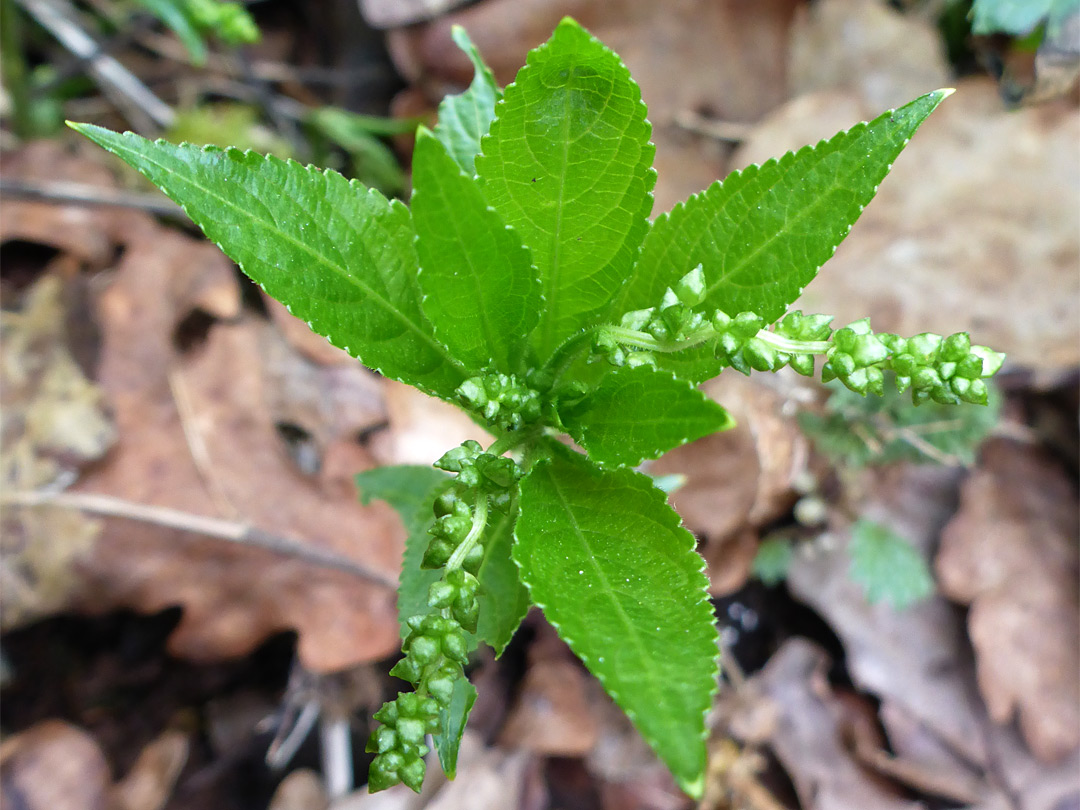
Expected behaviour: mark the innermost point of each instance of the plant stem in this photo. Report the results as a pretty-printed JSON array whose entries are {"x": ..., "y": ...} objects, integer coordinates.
[
  {"x": 13, "y": 65},
  {"x": 793, "y": 346},
  {"x": 479, "y": 521}
]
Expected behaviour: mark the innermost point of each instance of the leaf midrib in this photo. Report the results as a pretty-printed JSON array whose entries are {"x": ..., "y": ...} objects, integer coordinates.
[
  {"x": 642, "y": 656},
  {"x": 321, "y": 259}
]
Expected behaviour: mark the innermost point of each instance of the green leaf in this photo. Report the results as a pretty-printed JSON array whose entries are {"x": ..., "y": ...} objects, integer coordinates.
[
  {"x": 411, "y": 490},
  {"x": 616, "y": 574},
  {"x": 888, "y": 566},
  {"x": 452, "y": 726},
  {"x": 339, "y": 256},
  {"x": 503, "y": 598},
  {"x": 466, "y": 117},
  {"x": 480, "y": 290},
  {"x": 639, "y": 413},
  {"x": 773, "y": 559},
  {"x": 855, "y": 430},
  {"x": 175, "y": 15},
  {"x": 567, "y": 165},
  {"x": 762, "y": 234}
]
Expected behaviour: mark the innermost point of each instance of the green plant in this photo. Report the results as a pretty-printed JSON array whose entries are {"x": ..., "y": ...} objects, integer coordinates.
[{"x": 526, "y": 284}]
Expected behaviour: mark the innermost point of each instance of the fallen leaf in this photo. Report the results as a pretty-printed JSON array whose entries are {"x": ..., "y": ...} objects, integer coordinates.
[
  {"x": 885, "y": 56},
  {"x": 392, "y": 13},
  {"x": 54, "y": 422},
  {"x": 809, "y": 736},
  {"x": 552, "y": 715},
  {"x": 974, "y": 229},
  {"x": 233, "y": 597},
  {"x": 150, "y": 781},
  {"x": 53, "y": 766},
  {"x": 722, "y": 59},
  {"x": 300, "y": 790},
  {"x": 421, "y": 428},
  {"x": 1011, "y": 554}
]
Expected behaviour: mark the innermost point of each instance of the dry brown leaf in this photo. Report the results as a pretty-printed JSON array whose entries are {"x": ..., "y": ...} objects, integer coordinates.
[
  {"x": 913, "y": 657},
  {"x": 53, "y": 766},
  {"x": 300, "y": 790},
  {"x": 809, "y": 736},
  {"x": 392, "y": 13},
  {"x": 89, "y": 233},
  {"x": 52, "y": 422},
  {"x": 233, "y": 597},
  {"x": 150, "y": 781},
  {"x": 552, "y": 715},
  {"x": 422, "y": 428},
  {"x": 723, "y": 59},
  {"x": 974, "y": 229},
  {"x": 1011, "y": 553},
  {"x": 886, "y": 57}
]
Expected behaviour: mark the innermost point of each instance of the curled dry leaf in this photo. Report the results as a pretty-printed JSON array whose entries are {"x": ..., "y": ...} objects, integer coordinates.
[
  {"x": 810, "y": 731},
  {"x": 52, "y": 422},
  {"x": 552, "y": 715},
  {"x": 1011, "y": 554},
  {"x": 221, "y": 458},
  {"x": 53, "y": 766},
  {"x": 718, "y": 59},
  {"x": 978, "y": 213}
]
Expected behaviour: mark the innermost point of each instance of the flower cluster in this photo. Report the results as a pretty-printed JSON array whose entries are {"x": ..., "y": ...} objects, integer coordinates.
[
  {"x": 502, "y": 399},
  {"x": 437, "y": 644},
  {"x": 946, "y": 370}
]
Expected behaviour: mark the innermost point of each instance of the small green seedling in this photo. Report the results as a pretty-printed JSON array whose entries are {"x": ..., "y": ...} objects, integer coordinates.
[{"x": 526, "y": 284}]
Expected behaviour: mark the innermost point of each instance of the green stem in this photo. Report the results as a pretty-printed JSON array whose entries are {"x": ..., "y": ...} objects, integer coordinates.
[
  {"x": 793, "y": 346},
  {"x": 13, "y": 65},
  {"x": 513, "y": 440},
  {"x": 479, "y": 521},
  {"x": 568, "y": 352}
]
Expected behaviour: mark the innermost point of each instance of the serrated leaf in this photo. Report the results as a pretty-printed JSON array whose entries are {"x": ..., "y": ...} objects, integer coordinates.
[
  {"x": 480, "y": 290},
  {"x": 888, "y": 566},
  {"x": 340, "y": 256},
  {"x": 616, "y": 574},
  {"x": 411, "y": 490},
  {"x": 503, "y": 598},
  {"x": 466, "y": 117},
  {"x": 567, "y": 165},
  {"x": 762, "y": 234},
  {"x": 452, "y": 722},
  {"x": 175, "y": 15},
  {"x": 640, "y": 413}
]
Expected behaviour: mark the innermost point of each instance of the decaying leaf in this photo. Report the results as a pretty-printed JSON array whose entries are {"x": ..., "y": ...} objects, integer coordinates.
[
  {"x": 809, "y": 735},
  {"x": 53, "y": 766},
  {"x": 1011, "y": 553},
  {"x": 52, "y": 422}
]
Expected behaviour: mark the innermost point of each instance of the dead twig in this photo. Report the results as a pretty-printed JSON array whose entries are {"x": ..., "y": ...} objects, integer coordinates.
[
  {"x": 62, "y": 192},
  {"x": 231, "y": 531},
  {"x": 145, "y": 110}
]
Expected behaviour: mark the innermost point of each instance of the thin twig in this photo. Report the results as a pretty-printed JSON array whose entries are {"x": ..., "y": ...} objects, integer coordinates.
[
  {"x": 140, "y": 105},
  {"x": 231, "y": 531},
  {"x": 64, "y": 192},
  {"x": 728, "y": 131}
]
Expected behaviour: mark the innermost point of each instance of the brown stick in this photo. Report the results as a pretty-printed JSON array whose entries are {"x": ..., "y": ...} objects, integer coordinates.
[{"x": 231, "y": 531}]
